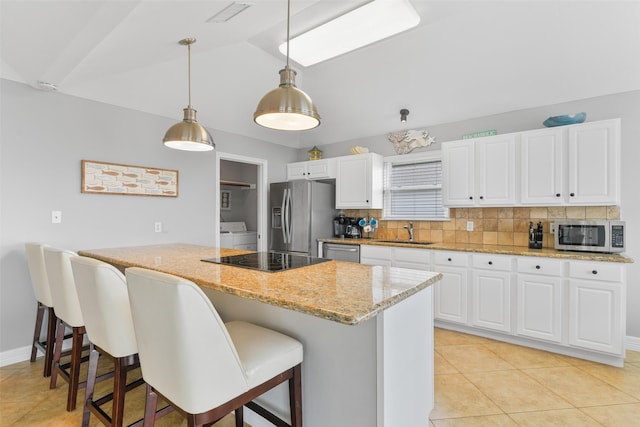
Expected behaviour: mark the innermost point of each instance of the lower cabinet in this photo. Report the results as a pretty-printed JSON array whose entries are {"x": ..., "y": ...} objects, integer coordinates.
[
  {"x": 491, "y": 292},
  {"x": 419, "y": 259},
  {"x": 451, "y": 292}
]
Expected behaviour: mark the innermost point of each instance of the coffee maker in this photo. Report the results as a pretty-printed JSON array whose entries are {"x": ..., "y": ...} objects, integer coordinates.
[{"x": 346, "y": 227}]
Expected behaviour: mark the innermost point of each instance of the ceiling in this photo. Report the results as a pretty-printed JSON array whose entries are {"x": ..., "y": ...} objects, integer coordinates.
[{"x": 465, "y": 59}]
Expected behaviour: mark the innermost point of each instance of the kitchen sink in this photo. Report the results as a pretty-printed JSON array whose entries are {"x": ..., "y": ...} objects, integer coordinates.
[{"x": 405, "y": 242}]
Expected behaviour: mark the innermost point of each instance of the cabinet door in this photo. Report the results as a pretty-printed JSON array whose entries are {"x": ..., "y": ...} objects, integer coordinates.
[
  {"x": 450, "y": 295},
  {"x": 321, "y": 169},
  {"x": 359, "y": 182},
  {"x": 596, "y": 315},
  {"x": 296, "y": 171},
  {"x": 594, "y": 163},
  {"x": 458, "y": 173},
  {"x": 541, "y": 167},
  {"x": 376, "y": 255},
  {"x": 491, "y": 296},
  {"x": 495, "y": 170},
  {"x": 539, "y": 307},
  {"x": 418, "y": 259}
]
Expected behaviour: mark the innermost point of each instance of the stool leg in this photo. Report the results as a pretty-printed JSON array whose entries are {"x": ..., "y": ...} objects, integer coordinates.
[
  {"x": 240, "y": 417},
  {"x": 36, "y": 331},
  {"x": 119, "y": 389},
  {"x": 57, "y": 352},
  {"x": 51, "y": 337},
  {"x": 94, "y": 357},
  {"x": 295, "y": 397},
  {"x": 151, "y": 402},
  {"x": 74, "y": 368}
]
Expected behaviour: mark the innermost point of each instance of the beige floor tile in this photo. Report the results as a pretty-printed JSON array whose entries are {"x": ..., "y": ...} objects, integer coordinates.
[
  {"x": 485, "y": 421},
  {"x": 632, "y": 356},
  {"x": 523, "y": 357},
  {"x": 555, "y": 418},
  {"x": 456, "y": 397},
  {"x": 615, "y": 415},
  {"x": 446, "y": 337},
  {"x": 626, "y": 379},
  {"x": 579, "y": 387},
  {"x": 514, "y": 391},
  {"x": 473, "y": 358},
  {"x": 441, "y": 366}
]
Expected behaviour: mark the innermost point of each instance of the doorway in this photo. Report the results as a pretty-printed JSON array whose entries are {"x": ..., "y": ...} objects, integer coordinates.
[{"x": 247, "y": 178}]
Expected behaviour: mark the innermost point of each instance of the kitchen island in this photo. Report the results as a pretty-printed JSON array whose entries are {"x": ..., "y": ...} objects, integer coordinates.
[{"x": 367, "y": 331}]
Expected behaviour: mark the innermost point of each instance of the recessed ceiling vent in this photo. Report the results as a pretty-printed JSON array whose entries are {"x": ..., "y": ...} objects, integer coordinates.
[{"x": 229, "y": 12}]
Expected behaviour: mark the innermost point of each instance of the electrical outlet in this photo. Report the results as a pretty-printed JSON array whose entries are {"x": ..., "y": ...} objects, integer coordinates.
[
  {"x": 158, "y": 227},
  {"x": 469, "y": 225},
  {"x": 56, "y": 217}
]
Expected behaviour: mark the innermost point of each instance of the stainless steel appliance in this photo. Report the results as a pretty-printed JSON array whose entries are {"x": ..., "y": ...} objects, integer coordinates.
[
  {"x": 589, "y": 236},
  {"x": 267, "y": 261},
  {"x": 301, "y": 213},
  {"x": 346, "y": 227},
  {"x": 341, "y": 252}
]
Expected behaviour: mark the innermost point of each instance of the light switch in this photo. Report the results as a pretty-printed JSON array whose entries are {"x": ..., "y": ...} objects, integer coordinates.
[
  {"x": 158, "y": 227},
  {"x": 56, "y": 217}
]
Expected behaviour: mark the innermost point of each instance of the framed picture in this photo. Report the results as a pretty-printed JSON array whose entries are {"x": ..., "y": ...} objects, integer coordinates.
[
  {"x": 114, "y": 178},
  {"x": 225, "y": 200}
]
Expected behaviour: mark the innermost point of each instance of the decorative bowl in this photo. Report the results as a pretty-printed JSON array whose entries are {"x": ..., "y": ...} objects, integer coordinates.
[{"x": 567, "y": 119}]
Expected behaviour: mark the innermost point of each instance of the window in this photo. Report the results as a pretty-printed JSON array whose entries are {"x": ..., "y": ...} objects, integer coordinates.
[{"x": 413, "y": 188}]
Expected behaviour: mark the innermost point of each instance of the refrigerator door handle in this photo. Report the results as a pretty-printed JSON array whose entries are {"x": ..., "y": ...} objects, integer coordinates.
[
  {"x": 284, "y": 216},
  {"x": 288, "y": 217}
]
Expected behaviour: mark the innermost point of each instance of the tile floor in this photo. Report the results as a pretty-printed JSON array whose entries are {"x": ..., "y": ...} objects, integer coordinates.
[{"x": 478, "y": 382}]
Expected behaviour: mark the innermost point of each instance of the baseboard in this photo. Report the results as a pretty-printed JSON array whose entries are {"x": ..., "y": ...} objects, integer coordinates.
[
  {"x": 16, "y": 355},
  {"x": 632, "y": 343}
]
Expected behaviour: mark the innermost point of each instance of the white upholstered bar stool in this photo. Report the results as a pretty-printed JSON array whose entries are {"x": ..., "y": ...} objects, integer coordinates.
[
  {"x": 203, "y": 367},
  {"x": 40, "y": 283},
  {"x": 104, "y": 301},
  {"x": 65, "y": 301}
]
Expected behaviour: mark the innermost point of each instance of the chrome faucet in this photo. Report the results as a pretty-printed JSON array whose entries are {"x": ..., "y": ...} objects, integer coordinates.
[{"x": 409, "y": 228}]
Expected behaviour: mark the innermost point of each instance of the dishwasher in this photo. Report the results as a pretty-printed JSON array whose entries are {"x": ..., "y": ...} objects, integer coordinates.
[{"x": 341, "y": 252}]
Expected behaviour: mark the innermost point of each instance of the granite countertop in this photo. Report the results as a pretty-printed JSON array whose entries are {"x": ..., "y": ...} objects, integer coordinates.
[
  {"x": 343, "y": 292},
  {"x": 491, "y": 249}
]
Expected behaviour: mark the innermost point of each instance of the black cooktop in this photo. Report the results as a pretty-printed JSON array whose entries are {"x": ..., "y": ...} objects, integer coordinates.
[{"x": 267, "y": 261}]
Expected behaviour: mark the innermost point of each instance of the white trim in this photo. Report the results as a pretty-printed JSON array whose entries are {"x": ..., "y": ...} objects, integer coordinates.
[
  {"x": 16, "y": 355},
  {"x": 414, "y": 157},
  {"x": 261, "y": 186},
  {"x": 632, "y": 343}
]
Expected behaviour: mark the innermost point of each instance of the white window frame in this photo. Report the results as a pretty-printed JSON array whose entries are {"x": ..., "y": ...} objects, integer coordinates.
[{"x": 389, "y": 161}]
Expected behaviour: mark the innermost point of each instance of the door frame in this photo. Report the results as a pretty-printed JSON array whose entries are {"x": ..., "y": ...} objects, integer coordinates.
[{"x": 261, "y": 188}]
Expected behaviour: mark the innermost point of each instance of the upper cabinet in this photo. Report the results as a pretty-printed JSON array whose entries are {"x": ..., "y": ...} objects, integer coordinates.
[
  {"x": 568, "y": 165},
  {"x": 480, "y": 172},
  {"x": 359, "y": 181},
  {"x": 312, "y": 169}
]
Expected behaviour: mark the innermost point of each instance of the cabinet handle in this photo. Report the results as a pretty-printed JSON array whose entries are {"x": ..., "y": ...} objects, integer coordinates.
[
  {"x": 537, "y": 267},
  {"x": 490, "y": 262},
  {"x": 481, "y": 197},
  {"x": 367, "y": 201},
  {"x": 572, "y": 194},
  {"x": 470, "y": 197},
  {"x": 449, "y": 259},
  {"x": 557, "y": 194},
  {"x": 594, "y": 272}
]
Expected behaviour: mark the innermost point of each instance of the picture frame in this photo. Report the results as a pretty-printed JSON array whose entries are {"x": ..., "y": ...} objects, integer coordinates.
[
  {"x": 225, "y": 200},
  {"x": 129, "y": 180}
]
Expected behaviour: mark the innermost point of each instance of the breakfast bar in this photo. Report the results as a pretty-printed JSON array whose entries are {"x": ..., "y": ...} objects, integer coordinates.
[{"x": 367, "y": 331}]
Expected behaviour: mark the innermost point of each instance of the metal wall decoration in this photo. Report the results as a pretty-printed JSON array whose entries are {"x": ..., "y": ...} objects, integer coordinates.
[
  {"x": 406, "y": 141},
  {"x": 114, "y": 178}
]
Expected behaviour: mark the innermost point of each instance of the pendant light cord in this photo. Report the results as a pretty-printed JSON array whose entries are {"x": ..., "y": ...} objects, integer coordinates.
[
  {"x": 189, "y": 69},
  {"x": 288, "y": 24}
]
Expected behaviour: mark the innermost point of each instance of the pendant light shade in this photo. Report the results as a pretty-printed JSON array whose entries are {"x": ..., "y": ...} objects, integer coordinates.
[
  {"x": 188, "y": 135},
  {"x": 287, "y": 107}
]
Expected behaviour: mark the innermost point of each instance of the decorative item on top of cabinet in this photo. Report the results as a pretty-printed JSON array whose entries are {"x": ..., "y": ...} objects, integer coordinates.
[
  {"x": 408, "y": 140},
  {"x": 359, "y": 181},
  {"x": 315, "y": 153}
]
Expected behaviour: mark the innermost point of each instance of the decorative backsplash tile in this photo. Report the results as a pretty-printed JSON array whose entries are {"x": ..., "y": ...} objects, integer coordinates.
[{"x": 491, "y": 226}]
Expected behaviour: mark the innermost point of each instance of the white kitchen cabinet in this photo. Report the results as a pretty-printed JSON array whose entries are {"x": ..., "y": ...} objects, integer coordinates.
[
  {"x": 491, "y": 292},
  {"x": 539, "y": 292},
  {"x": 418, "y": 259},
  {"x": 359, "y": 181},
  {"x": 597, "y": 306},
  {"x": 376, "y": 255},
  {"x": 312, "y": 169},
  {"x": 594, "y": 163},
  {"x": 451, "y": 293},
  {"x": 480, "y": 172},
  {"x": 542, "y": 159}
]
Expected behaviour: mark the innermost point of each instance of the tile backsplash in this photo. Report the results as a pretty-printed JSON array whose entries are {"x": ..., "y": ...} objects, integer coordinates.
[{"x": 491, "y": 226}]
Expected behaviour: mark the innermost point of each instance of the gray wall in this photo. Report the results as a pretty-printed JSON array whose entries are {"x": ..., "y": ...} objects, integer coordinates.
[
  {"x": 625, "y": 106},
  {"x": 43, "y": 138}
]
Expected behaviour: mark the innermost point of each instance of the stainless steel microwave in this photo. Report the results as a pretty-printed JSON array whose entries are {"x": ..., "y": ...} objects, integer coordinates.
[{"x": 589, "y": 236}]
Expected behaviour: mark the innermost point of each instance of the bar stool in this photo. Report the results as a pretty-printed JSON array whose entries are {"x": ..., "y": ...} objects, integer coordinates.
[
  {"x": 65, "y": 300},
  {"x": 38, "y": 273},
  {"x": 104, "y": 302},
  {"x": 201, "y": 366}
]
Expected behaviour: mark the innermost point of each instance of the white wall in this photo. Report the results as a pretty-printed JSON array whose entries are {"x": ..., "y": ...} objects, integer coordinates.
[
  {"x": 625, "y": 106},
  {"x": 43, "y": 138}
]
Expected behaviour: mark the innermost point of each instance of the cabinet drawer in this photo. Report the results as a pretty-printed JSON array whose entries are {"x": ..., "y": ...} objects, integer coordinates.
[
  {"x": 459, "y": 259},
  {"x": 547, "y": 267},
  {"x": 408, "y": 255},
  {"x": 492, "y": 262},
  {"x": 596, "y": 271},
  {"x": 370, "y": 251}
]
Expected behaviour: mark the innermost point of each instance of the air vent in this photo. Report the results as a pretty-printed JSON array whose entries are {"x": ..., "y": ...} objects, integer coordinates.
[{"x": 228, "y": 12}]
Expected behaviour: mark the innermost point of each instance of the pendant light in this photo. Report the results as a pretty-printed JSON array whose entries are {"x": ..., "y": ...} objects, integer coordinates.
[
  {"x": 287, "y": 107},
  {"x": 188, "y": 135}
]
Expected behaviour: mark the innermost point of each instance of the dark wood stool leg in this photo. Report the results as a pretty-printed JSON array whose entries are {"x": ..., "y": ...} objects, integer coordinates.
[
  {"x": 295, "y": 397},
  {"x": 240, "y": 417},
  {"x": 151, "y": 403},
  {"x": 74, "y": 369},
  {"x": 37, "y": 331},
  {"x": 119, "y": 389},
  {"x": 94, "y": 357},
  {"x": 58, "y": 351},
  {"x": 50, "y": 343}
]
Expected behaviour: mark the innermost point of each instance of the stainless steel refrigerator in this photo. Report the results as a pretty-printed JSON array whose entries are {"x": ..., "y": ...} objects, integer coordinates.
[{"x": 301, "y": 212}]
